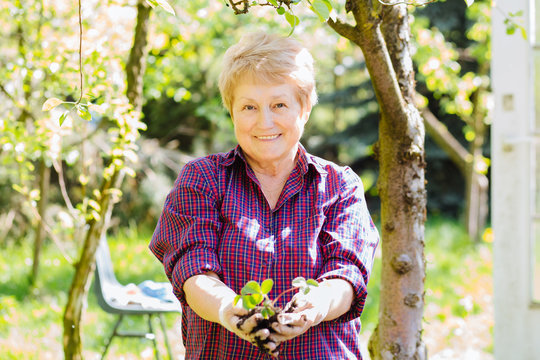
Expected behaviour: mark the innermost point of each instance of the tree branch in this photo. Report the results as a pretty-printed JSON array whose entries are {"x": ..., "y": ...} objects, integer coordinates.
[
  {"x": 446, "y": 141},
  {"x": 408, "y": 3},
  {"x": 80, "y": 52},
  {"x": 346, "y": 30}
]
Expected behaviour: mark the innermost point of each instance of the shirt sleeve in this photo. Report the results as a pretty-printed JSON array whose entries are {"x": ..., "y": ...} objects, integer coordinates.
[
  {"x": 187, "y": 232},
  {"x": 349, "y": 239}
]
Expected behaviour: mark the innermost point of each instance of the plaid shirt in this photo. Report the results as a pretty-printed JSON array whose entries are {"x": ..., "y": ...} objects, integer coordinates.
[{"x": 216, "y": 218}]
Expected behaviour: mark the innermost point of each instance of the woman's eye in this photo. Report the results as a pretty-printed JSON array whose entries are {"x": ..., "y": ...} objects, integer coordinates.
[
  {"x": 249, "y": 107},
  {"x": 280, "y": 105}
]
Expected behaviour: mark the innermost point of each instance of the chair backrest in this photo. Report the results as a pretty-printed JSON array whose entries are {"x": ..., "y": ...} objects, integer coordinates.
[
  {"x": 105, "y": 280},
  {"x": 109, "y": 290},
  {"x": 104, "y": 266}
]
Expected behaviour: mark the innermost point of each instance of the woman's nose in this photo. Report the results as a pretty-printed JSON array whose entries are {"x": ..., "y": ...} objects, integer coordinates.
[{"x": 266, "y": 118}]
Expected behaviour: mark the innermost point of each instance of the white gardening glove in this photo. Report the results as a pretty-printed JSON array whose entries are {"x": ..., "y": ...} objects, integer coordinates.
[
  {"x": 233, "y": 318},
  {"x": 308, "y": 310}
]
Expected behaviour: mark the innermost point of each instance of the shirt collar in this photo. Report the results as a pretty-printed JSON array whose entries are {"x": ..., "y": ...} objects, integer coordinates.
[{"x": 303, "y": 162}]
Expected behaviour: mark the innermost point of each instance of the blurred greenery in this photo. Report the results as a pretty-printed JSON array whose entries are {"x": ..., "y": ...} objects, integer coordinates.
[{"x": 30, "y": 318}]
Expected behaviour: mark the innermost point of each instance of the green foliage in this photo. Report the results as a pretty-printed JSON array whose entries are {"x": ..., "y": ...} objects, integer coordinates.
[
  {"x": 164, "y": 4},
  {"x": 511, "y": 22}
]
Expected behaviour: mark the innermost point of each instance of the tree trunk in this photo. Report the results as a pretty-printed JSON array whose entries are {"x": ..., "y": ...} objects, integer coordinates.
[
  {"x": 44, "y": 183},
  {"x": 136, "y": 63},
  {"x": 85, "y": 267},
  {"x": 477, "y": 184},
  {"x": 401, "y": 178}
]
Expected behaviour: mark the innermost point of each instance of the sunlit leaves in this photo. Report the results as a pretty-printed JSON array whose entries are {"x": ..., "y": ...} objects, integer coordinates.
[
  {"x": 51, "y": 104},
  {"x": 512, "y": 24},
  {"x": 82, "y": 111},
  {"x": 304, "y": 285},
  {"x": 322, "y": 8},
  {"x": 63, "y": 117},
  {"x": 292, "y": 19},
  {"x": 162, "y": 3}
]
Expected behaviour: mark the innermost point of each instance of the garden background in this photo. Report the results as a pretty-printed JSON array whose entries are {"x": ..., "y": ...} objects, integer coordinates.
[{"x": 53, "y": 162}]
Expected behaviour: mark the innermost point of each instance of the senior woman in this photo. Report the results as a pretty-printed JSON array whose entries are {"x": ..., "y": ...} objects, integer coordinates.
[{"x": 267, "y": 209}]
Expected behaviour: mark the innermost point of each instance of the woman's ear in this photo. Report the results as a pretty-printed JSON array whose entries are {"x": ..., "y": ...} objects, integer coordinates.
[{"x": 307, "y": 112}]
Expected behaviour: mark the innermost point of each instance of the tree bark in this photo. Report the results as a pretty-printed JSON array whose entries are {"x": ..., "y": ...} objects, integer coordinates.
[
  {"x": 84, "y": 269},
  {"x": 136, "y": 63},
  {"x": 401, "y": 178}
]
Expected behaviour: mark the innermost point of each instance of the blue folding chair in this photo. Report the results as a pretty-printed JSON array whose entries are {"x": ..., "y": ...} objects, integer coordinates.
[{"x": 107, "y": 288}]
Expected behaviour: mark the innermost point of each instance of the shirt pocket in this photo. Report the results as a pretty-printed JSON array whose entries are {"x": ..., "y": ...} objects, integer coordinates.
[
  {"x": 301, "y": 252},
  {"x": 245, "y": 246}
]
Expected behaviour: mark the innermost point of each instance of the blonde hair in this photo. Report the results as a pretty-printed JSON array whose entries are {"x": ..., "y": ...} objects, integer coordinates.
[{"x": 268, "y": 58}]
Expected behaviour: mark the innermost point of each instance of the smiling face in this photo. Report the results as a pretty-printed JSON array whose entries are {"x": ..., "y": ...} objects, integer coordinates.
[{"x": 268, "y": 122}]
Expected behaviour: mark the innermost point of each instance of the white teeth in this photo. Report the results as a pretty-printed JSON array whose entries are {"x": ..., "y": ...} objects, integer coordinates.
[{"x": 270, "y": 137}]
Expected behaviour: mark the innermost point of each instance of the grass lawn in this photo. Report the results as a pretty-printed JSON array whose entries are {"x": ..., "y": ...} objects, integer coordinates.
[{"x": 458, "y": 318}]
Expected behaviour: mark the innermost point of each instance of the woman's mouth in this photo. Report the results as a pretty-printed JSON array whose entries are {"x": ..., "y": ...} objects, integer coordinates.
[{"x": 267, "y": 137}]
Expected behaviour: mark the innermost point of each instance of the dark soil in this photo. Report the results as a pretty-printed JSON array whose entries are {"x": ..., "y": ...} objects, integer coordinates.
[{"x": 265, "y": 324}]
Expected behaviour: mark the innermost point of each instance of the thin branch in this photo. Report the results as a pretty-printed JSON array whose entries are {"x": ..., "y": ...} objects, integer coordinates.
[
  {"x": 408, "y": 3},
  {"x": 80, "y": 52},
  {"x": 63, "y": 188},
  {"x": 53, "y": 236}
]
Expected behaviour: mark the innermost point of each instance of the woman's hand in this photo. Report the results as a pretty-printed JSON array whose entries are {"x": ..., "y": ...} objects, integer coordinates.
[
  {"x": 331, "y": 299},
  {"x": 309, "y": 310},
  {"x": 235, "y": 319}
]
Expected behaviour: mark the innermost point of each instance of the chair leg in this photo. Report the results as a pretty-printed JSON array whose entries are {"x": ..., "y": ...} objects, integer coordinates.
[
  {"x": 165, "y": 337},
  {"x": 114, "y": 333},
  {"x": 154, "y": 340}
]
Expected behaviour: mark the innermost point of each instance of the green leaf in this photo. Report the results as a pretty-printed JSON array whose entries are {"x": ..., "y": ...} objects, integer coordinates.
[
  {"x": 251, "y": 287},
  {"x": 270, "y": 311},
  {"x": 236, "y": 299},
  {"x": 280, "y": 10},
  {"x": 248, "y": 302},
  {"x": 523, "y": 32},
  {"x": 18, "y": 188},
  {"x": 152, "y": 3},
  {"x": 83, "y": 112},
  {"x": 51, "y": 104},
  {"x": 312, "y": 282},
  {"x": 95, "y": 215},
  {"x": 257, "y": 298},
  {"x": 63, "y": 117},
  {"x": 264, "y": 313},
  {"x": 306, "y": 290},
  {"x": 322, "y": 9},
  {"x": 299, "y": 282},
  {"x": 273, "y": 2},
  {"x": 293, "y": 20},
  {"x": 266, "y": 286},
  {"x": 94, "y": 205},
  {"x": 165, "y": 5}
]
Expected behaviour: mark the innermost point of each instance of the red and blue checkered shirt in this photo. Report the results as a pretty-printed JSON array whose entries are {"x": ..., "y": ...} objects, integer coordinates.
[{"x": 217, "y": 219}]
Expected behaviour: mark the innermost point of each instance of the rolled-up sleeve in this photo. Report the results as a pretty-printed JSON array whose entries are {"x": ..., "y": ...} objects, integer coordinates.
[
  {"x": 348, "y": 241},
  {"x": 187, "y": 232}
]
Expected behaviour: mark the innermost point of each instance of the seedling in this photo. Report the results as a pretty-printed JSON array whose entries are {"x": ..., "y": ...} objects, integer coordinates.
[{"x": 254, "y": 294}]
